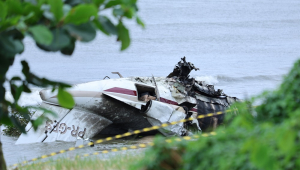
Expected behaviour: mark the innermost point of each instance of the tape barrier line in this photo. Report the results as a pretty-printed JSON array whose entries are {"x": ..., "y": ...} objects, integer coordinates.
[
  {"x": 122, "y": 135},
  {"x": 144, "y": 145}
]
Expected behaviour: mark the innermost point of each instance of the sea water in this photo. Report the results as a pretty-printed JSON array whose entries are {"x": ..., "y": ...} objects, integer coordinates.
[{"x": 242, "y": 47}]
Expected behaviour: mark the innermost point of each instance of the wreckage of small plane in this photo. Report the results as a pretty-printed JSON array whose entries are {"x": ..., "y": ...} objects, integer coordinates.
[{"x": 116, "y": 106}]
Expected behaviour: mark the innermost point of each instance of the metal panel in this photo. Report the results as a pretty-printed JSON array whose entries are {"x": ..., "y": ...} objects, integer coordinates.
[
  {"x": 160, "y": 113},
  {"x": 78, "y": 123},
  {"x": 39, "y": 135},
  {"x": 125, "y": 99}
]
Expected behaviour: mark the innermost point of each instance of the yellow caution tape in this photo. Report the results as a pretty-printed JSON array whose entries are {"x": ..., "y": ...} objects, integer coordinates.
[{"x": 124, "y": 135}]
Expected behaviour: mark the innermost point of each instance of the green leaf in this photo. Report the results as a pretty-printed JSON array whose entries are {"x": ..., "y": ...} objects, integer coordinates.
[
  {"x": 35, "y": 80},
  {"x": 14, "y": 7},
  {"x": 129, "y": 2},
  {"x": 98, "y": 2},
  {"x": 83, "y": 32},
  {"x": 26, "y": 89},
  {"x": 8, "y": 22},
  {"x": 129, "y": 13},
  {"x": 286, "y": 141},
  {"x": 73, "y": 2},
  {"x": 16, "y": 79},
  {"x": 37, "y": 122},
  {"x": 63, "y": 85},
  {"x": 21, "y": 25},
  {"x": 35, "y": 10},
  {"x": 68, "y": 50},
  {"x": 65, "y": 99},
  {"x": 10, "y": 46},
  {"x": 3, "y": 11},
  {"x": 33, "y": 2},
  {"x": 16, "y": 34},
  {"x": 100, "y": 27},
  {"x": 4, "y": 118},
  {"x": 17, "y": 124},
  {"x": 106, "y": 26},
  {"x": 23, "y": 111},
  {"x": 46, "y": 12},
  {"x": 81, "y": 14},
  {"x": 41, "y": 2},
  {"x": 27, "y": 15},
  {"x": 118, "y": 12},
  {"x": 16, "y": 91},
  {"x": 42, "y": 82},
  {"x": 112, "y": 3},
  {"x": 2, "y": 94},
  {"x": 140, "y": 22},
  {"x": 41, "y": 34},
  {"x": 123, "y": 36},
  {"x": 56, "y": 7},
  {"x": 25, "y": 68},
  {"x": 260, "y": 155},
  {"x": 5, "y": 62},
  {"x": 60, "y": 40}
]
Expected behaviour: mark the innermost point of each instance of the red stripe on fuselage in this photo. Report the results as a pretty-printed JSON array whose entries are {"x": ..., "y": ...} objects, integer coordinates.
[
  {"x": 133, "y": 93},
  {"x": 122, "y": 91},
  {"x": 168, "y": 101},
  {"x": 194, "y": 110},
  {"x": 174, "y": 103}
]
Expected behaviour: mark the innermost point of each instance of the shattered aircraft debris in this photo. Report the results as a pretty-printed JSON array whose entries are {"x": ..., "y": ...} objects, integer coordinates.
[{"x": 116, "y": 106}]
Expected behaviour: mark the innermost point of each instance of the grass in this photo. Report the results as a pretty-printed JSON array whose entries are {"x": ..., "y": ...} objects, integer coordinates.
[{"x": 119, "y": 162}]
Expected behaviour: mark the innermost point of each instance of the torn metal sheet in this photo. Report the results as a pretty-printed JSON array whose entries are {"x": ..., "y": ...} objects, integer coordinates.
[
  {"x": 153, "y": 112},
  {"x": 124, "y": 98}
]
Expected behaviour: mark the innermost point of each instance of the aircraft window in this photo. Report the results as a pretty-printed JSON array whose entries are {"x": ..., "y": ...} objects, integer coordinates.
[{"x": 145, "y": 93}]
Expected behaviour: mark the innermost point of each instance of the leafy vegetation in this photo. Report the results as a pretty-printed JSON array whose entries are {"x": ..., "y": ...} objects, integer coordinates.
[
  {"x": 265, "y": 137},
  {"x": 55, "y": 25}
]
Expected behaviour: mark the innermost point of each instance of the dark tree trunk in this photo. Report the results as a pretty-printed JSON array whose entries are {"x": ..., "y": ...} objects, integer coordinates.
[{"x": 2, "y": 160}]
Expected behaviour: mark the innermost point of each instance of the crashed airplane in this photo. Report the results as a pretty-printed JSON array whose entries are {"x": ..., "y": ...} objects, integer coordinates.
[{"x": 116, "y": 106}]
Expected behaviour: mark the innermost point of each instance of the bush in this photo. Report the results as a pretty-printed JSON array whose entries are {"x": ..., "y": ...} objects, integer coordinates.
[{"x": 263, "y": 137}]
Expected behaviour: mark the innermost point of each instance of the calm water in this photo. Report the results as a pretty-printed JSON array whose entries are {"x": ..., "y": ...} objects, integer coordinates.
[{"x": 243, "y": 47}]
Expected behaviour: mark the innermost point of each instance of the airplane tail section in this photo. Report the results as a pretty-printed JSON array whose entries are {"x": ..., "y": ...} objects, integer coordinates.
[{"x": 68, "y": 125}]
